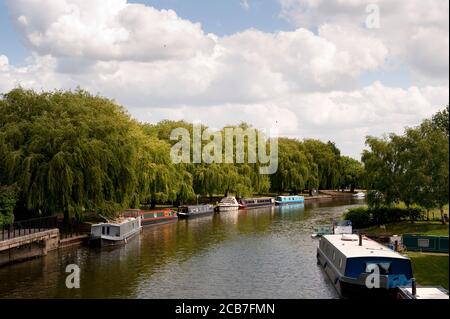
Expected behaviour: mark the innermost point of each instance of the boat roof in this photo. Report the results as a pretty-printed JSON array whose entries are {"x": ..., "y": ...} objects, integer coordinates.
[
  {"x": 199, "y": 205},
  {"x": 117, "y": 222},
  {"x": 290, "y": 196},
  {"x": 348, "y": 244}
]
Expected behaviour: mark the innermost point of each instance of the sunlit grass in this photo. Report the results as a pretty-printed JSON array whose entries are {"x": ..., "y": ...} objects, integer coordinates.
[{"x": 430, "y": 269}]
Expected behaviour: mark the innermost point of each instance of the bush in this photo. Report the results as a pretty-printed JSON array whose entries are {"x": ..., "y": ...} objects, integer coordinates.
[
  {"x": 359, "y": 216},
  {"x": 8, "y": 200},
  {"x": 363, "y": 217}
]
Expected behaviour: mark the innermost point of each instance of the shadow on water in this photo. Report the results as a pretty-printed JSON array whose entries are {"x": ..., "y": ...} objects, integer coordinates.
[{"x": 259, "y": 253}]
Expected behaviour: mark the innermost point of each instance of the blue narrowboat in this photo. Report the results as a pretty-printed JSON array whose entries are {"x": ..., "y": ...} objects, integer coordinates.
[
  {"x": 288, "y": 200},
  {"x": 358, "y": 266}
]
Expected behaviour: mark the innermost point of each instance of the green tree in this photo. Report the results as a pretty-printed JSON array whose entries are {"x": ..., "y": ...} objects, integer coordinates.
[{"x": 351, "y": 172}]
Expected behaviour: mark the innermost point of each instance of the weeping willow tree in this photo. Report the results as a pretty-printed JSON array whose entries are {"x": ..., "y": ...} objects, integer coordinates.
[
  {"x": 296, "y": 170},
  {"x": 69, "y": 152},
  {"x": 327, "y": 158}
]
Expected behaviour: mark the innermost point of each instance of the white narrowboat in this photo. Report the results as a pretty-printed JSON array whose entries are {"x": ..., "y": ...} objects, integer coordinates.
[
  {"x": 358, "y": 266},
  {"x": 115, "y": 233}
]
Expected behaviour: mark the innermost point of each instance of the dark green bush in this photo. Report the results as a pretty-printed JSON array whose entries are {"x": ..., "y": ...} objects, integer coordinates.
[
  {"x": 8, "y": 200},
  {"x": 363, "y": 217},
  {"x": 360, "y": 217}
]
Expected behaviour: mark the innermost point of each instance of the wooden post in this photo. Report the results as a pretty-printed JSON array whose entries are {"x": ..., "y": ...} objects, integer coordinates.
[
  {"x": 414, "y": 288},
  {"x": 360, "y": 239}
]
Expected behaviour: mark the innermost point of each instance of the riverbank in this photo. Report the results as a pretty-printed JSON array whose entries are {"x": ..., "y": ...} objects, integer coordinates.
[
  {"x": 430, "y": 269},
  {"x": 430, "y": 228}
]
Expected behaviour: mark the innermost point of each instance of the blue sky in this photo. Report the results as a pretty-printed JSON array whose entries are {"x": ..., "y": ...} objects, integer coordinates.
[
  {"x": 10, "y": 42},
  {"x": 226, "y": 17}
]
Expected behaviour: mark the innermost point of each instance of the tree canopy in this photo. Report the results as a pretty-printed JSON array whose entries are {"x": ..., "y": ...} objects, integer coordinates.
[
  {"x": 70, "y": 152},
  {"x": 412, "y": 168}
]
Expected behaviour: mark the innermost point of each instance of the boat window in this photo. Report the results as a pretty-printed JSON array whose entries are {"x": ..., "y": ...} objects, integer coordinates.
[
  {"x": 103, "y": 230},
  {"x": 334, "y": 255},
  {"x": 107, "y": 230},
  {"x": 340, "y": 262}
]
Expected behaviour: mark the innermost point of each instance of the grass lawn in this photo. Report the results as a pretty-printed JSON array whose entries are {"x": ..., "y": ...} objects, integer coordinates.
[
  {"x": 405, "y": 227},
  {"x": 430, "y": 269}
]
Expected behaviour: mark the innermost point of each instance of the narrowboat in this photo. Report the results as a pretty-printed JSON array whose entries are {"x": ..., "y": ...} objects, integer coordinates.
[
  {"x": 288, "y": 200},
  {"x": 150, "y": 217},
  {"x": 116, "y": 232},
  {"x": 359, "y": 195},
  {"x": 352, "y": 263},
  {"x": 247, "y": 203},
  {"x": 195, "y": 210},
  {"x": 228, "y": 204}
]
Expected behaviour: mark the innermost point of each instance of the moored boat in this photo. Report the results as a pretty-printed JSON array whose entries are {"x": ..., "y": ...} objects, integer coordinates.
[
  {"x": 115, "y": 232},
  {"x": 358, "y": 266},
  {"x": 228, "y": 204},
  {"x": 247, "y": 203},
  {"x": 359, "y": 195},
  {"x": 191, "y": 211},
  {"x": 289, "y": 200},
  {"x": 150, "y": 217},
  {"x": 337, "y": 228}
]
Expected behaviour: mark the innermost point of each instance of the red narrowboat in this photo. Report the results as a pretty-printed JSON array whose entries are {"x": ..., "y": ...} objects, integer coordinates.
[{"x": 149, "y": 217}]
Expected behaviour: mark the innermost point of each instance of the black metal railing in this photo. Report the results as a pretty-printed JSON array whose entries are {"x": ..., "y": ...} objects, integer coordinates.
[
  {"x": 27, "y": 227},
  {"x": 70, "y": 229}
]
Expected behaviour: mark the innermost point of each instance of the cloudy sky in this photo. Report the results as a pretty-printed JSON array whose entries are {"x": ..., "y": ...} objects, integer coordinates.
[{"x": 311, "y": 68}]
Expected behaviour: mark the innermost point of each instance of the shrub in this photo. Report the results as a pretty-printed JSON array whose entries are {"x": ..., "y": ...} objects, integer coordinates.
[
  {"x": 8, "y": 200},
  {"x": 359, "y": 216}
]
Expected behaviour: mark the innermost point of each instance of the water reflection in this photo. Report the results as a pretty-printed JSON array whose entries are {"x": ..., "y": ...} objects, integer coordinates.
[{"x": 258, "y": 253}]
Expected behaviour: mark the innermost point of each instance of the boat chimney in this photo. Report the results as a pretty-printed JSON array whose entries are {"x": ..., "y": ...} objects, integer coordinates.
[
  {"x": 360, "y": 239},
  {"x": 414, "y": 288}
]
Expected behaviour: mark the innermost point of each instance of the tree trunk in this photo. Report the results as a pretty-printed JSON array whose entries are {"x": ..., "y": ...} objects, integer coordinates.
[
  {"x": 66, "y": 217},
  {"x": 410, "y": 214},
  {"x": 153, "y": 204},
  {"x": 442, "y": 215},
  {"x": 352, "y": 189}
]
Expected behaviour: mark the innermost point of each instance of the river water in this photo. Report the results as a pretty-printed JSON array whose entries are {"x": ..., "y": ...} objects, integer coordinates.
[{"x": 260, "y": 253}]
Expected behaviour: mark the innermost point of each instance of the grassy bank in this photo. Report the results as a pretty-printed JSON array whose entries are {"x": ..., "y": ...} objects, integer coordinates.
[
  {"x": 430, "y": 269},
  {"x": 434, "y": 228}
]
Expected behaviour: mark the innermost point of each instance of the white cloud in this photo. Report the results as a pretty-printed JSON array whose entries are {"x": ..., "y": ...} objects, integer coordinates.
[
  {"x": 108, "y": 30},
  {"x": 245, "y": 4},
  {"x": 415, "y": 31},
  {"x": 306, "y": 83}
]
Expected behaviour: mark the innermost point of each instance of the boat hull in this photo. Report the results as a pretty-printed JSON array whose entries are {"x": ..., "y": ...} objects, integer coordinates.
[
  {"x": 194, "y": 215},
  {"x": 289, "y": 203},
  {"x": 252, "y": 206},
  {"x": 153, "y": 221},
  {"x": 106, "y": 242},
  {"x": 227, "y": 208}
]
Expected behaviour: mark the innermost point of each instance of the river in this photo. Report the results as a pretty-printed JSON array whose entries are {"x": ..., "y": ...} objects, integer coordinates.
[{"x": 260, "y": 253}]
